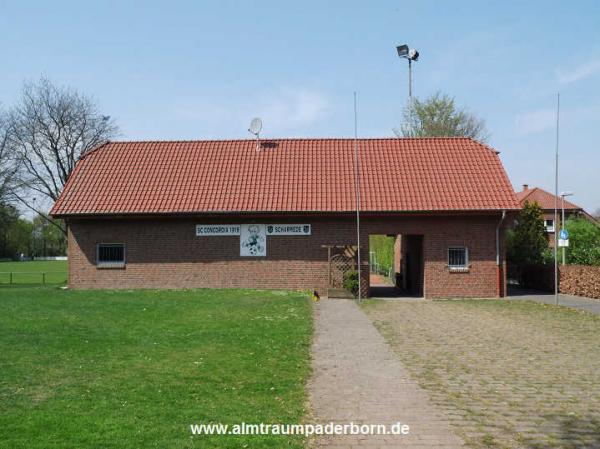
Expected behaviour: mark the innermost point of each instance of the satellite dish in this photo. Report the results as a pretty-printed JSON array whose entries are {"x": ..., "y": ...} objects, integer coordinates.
[{"x": 255, "y": 126}]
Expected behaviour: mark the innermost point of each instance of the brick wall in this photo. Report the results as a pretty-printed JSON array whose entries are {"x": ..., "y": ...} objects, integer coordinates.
[{"x": 165, "y": 253}]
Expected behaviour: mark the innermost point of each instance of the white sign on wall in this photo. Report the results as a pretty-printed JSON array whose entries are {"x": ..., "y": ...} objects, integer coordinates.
[
  {"x": 253, "y": 240},
  {"x": 221, "y": 229},
  {"x": 288, "y": 229}
]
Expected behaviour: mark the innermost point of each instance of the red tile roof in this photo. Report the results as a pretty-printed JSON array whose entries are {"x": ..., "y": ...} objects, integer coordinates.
[
  {"x": 543, "y": 198},
  {"x": 286, "y": 175}
]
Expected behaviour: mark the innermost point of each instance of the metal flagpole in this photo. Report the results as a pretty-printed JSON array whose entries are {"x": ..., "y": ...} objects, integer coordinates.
[
  {"x": 357, "y": 188},
  {"x": 556, "y": 202}
]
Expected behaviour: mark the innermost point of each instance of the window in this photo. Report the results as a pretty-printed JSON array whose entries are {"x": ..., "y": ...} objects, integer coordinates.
[
  {"x": 110, "y": 255},
  {"x": 458, "y": 258},
  {"x": 549, "y": 225}
]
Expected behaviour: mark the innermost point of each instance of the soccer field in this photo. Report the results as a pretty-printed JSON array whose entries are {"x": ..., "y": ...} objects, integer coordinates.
[{"x": 34, "y": 272}]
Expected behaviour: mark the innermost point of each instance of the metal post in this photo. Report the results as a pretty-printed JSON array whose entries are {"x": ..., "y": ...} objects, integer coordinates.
[
  {"x": 409, "y": 79},
  {"x": 562, "y": 225},
  {"x": 329, "y": 265},
  {"x": 357, "y": 188},
  {"x": 556, "y": 202},
  {"x": 10, "y": 277}
]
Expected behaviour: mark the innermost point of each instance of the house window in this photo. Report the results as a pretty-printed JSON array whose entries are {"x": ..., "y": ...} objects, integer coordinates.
[
  {"x": 549, "y": 225},
  {"x": 458, "y": 258},
  {"x": 110, "y": 255}
]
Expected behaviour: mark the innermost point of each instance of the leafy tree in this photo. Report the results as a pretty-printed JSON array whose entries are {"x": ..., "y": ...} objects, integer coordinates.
[
  {"x": 383, "y": 247},
  {"x": 47, "y": 240},
  {"x": 438, "y": 116},
  {"x": 584, "y": 242},
  {"x": 528, "y": 242},
  {"x": 8, "y": 215},
  {"x": 19, "y": 237}
]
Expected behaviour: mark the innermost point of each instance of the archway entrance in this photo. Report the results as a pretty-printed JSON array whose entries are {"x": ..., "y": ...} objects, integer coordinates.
[{"x": 396, "y": 265}]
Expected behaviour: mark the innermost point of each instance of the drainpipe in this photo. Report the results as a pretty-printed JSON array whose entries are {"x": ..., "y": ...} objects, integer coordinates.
[{"x": 498, "y": 250}]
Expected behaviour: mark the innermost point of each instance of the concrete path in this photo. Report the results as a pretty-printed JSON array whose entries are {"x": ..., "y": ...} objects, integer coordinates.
[
  {"x": 357, "y": 378},
  {"x": 577, "y": 302}
]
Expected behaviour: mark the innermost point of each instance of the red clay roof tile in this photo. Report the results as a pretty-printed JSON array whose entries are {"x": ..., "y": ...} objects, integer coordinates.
[
  {"x": 543, "y": 198},
  {"x": 286, "y": 175}
]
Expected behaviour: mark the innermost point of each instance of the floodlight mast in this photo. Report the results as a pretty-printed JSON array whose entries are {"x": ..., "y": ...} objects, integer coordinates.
[{"x": 412, "y": 55}]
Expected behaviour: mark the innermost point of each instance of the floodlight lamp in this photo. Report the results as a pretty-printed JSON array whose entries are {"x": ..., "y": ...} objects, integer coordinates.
[{"x": 402, "y": 50}]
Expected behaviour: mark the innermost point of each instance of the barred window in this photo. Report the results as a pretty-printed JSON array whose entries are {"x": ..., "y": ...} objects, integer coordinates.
[
  {"x": 458, "y": 257},
  {"x": 110, "y": 255}
]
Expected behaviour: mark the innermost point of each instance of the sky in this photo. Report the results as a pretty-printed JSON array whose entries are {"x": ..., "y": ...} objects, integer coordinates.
[{"x": 204, "y": 69}]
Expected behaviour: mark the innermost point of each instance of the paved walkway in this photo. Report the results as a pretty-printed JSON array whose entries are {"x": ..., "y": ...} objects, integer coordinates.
[
  {"x": 357, "y": 378},
  {"x": 577, "y": 302}
]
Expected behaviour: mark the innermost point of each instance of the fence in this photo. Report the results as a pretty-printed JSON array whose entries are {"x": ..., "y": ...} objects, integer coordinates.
[
  {"x": 32, "y": 277},
  {"x": 377, "y": 268}
]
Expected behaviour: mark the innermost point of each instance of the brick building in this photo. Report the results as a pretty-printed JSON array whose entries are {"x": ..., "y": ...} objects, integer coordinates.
[
  {"x": 281, "y": 214},
  {"x": 546, "y": 201}
]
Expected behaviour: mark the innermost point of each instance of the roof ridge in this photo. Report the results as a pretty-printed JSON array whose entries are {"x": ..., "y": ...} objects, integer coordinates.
[
  {"x": 249, "y": 139},
  {"x": 94, "y": 149}
]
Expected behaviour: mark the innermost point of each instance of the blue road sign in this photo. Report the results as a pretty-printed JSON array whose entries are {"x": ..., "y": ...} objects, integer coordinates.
[{"x": 564, "y": 234}]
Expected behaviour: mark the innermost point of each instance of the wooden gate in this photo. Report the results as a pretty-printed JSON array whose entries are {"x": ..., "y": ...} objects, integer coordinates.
[{"x": 341, "y": 260}]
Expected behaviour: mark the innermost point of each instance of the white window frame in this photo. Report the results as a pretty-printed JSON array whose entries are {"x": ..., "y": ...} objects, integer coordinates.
[
  {"x": 118, "y": 264},
  {"x": 549, "y": 228},
  {"x": 459, "y": 267}
]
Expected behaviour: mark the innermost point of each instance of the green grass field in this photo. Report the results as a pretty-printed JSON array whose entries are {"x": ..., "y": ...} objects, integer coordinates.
[
  {"x": 133, "y": 369},
  {"x": 31, "y": 272}
]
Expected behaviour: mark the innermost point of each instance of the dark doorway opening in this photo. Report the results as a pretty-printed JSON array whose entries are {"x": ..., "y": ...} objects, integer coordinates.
[
  {"x": 406, "y": 275},
  {"x": 411, "y": 265}
]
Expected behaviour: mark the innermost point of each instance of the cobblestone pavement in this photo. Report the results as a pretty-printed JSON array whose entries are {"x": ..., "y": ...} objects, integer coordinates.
[
  {"x": 357, "y": 378},
  {"x": 509, "y": 374}
]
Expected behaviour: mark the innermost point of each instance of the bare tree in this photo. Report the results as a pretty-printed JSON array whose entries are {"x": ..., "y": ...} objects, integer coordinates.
[
  {"x": 7, "y": 166},
  {"x": 49, "y": 128},
  {"x": 438, "y": 116}
]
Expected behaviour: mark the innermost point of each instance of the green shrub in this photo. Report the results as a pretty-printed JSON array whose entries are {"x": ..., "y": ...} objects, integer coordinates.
[
  {"x": 351, "y": 281},
  {"x": 527, "y": 243},
  {"x": 584, "y": 242}
]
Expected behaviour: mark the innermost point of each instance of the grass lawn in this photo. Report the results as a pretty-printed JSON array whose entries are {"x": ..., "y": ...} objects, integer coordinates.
[
  {"x": 30, "y": 272},
  {"x": 508, "y": 374},
  {"x": 133, "y": 369}
]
